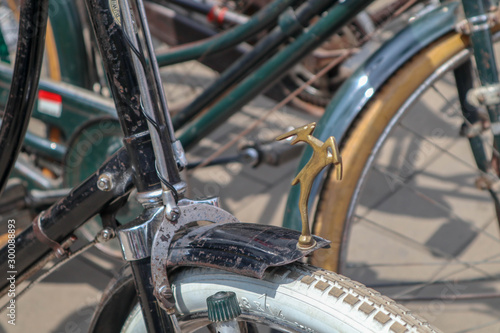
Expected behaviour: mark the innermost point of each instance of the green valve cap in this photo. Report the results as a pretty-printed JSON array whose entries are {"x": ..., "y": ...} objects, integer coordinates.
[{"x": 223, "y": 306}]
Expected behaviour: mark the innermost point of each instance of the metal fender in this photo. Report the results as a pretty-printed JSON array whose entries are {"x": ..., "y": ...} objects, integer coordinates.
[
  {"x": 357, "y": 91},
  {"x": 242, "y": 248}
]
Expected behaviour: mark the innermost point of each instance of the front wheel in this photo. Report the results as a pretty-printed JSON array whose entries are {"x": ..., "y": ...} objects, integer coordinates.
[{"x": 293, "y": 298}]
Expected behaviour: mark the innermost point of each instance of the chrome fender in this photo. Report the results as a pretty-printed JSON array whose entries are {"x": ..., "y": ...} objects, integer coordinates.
[{"x": 358, "y": 90}]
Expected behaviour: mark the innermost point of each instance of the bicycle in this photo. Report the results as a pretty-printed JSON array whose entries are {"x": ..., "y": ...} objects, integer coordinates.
[
  {"x": 432, "y": 26},
  {"x": 168, "y": 299}
]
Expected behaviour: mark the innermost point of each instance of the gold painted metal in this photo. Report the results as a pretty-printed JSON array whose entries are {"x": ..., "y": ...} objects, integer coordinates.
[{"x": 324, "y": 153}]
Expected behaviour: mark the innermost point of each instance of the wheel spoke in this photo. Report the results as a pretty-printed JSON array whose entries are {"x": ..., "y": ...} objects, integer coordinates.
[
  {"x": 442, "y": 207},
  {"x": 442, "y": 150},
  {"x": 458, "y": 113},
  {"x": 409, "y": 241}
]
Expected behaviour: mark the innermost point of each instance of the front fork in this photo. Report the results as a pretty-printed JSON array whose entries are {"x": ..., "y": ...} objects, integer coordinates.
[{"x": 148, "y": 134}]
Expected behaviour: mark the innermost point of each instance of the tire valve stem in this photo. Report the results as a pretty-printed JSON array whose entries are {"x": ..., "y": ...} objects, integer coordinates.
[
  {"x": 223, "y": 309},
  {"x": 324, "y": 153}
]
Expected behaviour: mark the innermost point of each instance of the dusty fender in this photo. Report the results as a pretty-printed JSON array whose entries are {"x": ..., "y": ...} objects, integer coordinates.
[
  {"x": 358, "y": 90},
  {"x": 242, "y": 248}
]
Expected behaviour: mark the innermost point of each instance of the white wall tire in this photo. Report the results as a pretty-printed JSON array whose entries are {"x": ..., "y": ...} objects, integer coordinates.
[{"x": 294, "y": 298}]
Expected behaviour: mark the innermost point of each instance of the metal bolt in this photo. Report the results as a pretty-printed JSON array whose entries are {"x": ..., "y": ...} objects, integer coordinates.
[
  {"x": 107, "y": 234},
  {"x": 165, "y": 291},
  {"x": 60, "y": 252},
  {"x": 105, "y": 182},
  {"x": 174, "y": 214}
]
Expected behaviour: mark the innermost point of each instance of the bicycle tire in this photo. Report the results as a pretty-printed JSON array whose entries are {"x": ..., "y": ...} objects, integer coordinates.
[
  {"x": 339, "y": 205},
  {"x": 295, "y": 297},
  {"x": 51, "y": 69}
]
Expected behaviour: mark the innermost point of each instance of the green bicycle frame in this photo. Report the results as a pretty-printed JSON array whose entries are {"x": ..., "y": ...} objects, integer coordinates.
[
  {"x": 72, "y": 115},
  {"x": 230, "y": 38},
  {"x": 270, "y": 72}
]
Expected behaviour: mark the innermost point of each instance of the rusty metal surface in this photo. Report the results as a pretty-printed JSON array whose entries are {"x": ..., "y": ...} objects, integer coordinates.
[
  {"x": 42, "y": 237},
  {"x": 69, "y": 213}
]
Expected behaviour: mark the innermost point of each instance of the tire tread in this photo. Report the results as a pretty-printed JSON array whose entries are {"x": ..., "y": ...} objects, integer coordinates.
[{"x": 377, "y": 308}]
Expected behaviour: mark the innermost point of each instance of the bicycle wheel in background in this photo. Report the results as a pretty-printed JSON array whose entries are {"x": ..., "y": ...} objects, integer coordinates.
[
  {"x": 9, "y": 21},
  {"x": 407, "y": 218},
  {"x": 64, "y": 60},
  {"x": 292, "y": 298},
  {"x": 9, "y": 16},
  {"x": 361, "y": 36}
]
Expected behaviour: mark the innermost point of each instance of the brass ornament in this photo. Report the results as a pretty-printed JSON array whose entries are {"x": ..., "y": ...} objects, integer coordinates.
[{"x": 324, "y": 153}]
